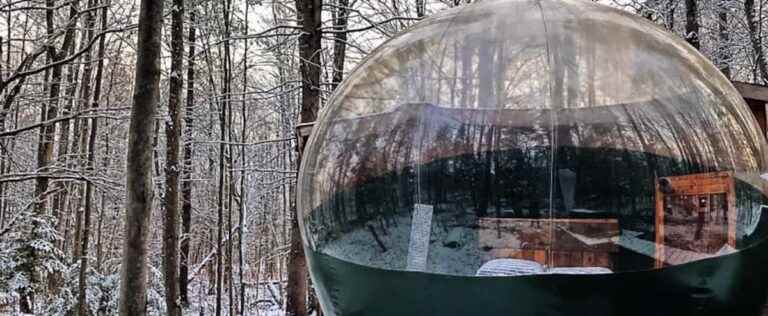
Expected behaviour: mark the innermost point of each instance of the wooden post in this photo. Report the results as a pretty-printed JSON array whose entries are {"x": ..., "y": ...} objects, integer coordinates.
[
  {"x": 659, "y": 226},
  {"x": 765, "y": 114},
  {"x": 732, "y": 214}
]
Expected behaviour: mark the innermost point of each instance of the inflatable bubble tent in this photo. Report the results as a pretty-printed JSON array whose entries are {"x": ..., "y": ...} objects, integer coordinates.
[{"x": 542, "y": 157}]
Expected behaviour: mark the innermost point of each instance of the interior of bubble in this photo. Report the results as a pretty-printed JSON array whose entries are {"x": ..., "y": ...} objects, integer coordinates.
[{"x": 515, "y": 138}]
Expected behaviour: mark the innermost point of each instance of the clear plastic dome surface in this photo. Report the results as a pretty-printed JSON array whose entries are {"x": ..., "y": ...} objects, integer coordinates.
[{"x": 509, "y": 138}]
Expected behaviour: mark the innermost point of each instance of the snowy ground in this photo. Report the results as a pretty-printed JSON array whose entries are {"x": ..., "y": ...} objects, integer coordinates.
[
  {"x": 452, "y": 243},
  {"x": 454, "y": 247},
  {"x": 267, "y": 302}
]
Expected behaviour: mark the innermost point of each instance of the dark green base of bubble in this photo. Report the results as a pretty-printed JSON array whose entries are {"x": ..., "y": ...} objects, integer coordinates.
[{"x": 732, "y": 285}]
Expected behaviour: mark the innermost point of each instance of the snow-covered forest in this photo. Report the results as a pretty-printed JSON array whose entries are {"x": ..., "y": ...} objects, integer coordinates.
[{"x": 219, "y": 140}]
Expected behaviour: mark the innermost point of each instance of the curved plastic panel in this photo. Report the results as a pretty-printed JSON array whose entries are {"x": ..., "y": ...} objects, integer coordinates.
[{"x": 516, "y": 138}]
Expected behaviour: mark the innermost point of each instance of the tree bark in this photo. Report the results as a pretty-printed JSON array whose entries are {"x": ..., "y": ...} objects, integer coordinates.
[
  {"x": 755, "y": 38},
  {"x": 45, "y": 147},
  {"x": 172, "y": 168},
  {"x": 82, "y": 139},
  {"x": 60, "y": 198},
  {"x": 340, "y": 42},
  {"x": 186, "y": 184},
  {"x": 230, "y": 173},
  {"x": 309, "y": 15},
  {"x": 243, "y": 192},
  {"x": 692, "y": 23},
  {"x": 223, "y": 106},
  {"x": 724, "y": 54},
  {"x": 140, "y": 192},
  {"x": 82, "y": 303}
]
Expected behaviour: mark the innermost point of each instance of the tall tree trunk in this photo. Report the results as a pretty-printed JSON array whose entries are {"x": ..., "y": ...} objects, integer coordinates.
[
  {"x": 60, "y": 198},
  {"x": 173, "y": 136},
  {"x": 340, "y": 42},
  {"x": 186, "y": 185},
  {"x": 46, "y": 137},
  {"x": 220, "y": 209},
  {"x": 47, "y": 111},
  {"x": 230, "y": 173},
  {"x": 723, "y": 52},
  {"x": 140, "y": 192},
  {"x": 82, "y": 303},
  {"x": 421, "y": 8},
  {"x": 755, "y": 38},
  {"x": 692, "y": 23},
  {"x": 671, "y": 8},
  {"x": 47, "y": 132},
  {"x": 3, "y": 142},
  {"x": 243, "y": 193},
  {"x": 85, "y": 96},
  {"x": 71, "y": 203},
  {"x": 105, "y": 166},
  {"x": 223, "y": 106},
  {"x": 309, "y": 16}
]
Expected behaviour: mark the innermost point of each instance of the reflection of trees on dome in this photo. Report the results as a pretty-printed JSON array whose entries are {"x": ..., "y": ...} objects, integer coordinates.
[
  {"x": 498, "y": 163},
  {"x": 534, "y": 140}
]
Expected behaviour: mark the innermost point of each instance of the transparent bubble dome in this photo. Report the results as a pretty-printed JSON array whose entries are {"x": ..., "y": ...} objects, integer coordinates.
[{"x": 511, "y": 138}]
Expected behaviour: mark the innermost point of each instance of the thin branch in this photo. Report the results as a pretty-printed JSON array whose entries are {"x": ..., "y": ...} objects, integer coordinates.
[{"x": 70, "y": 58}]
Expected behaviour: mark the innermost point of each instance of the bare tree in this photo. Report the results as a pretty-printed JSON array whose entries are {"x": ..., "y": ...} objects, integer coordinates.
[
  {"x": 340, "y": 41},
  {"x": 172, "y": 169},
  {"x": 723, "y": 49},
  {"x": 310, "y": 41},
  {"x": 755, "y": 39},
  {"x": 139, "y": 189},
  {"x": 243, "y": 194},
  {"x": 186, "y": 185},
  {"x": 45, "y": 141},
  {"x": 93, "y": 130},
  {"x": 221, "y": 203}
]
